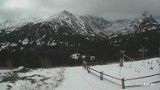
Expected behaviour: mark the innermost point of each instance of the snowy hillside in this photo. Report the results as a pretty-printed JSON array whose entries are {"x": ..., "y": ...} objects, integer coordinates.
[
  {"x": 12, "y": 25},
  {"x": 77, "y": 78}
]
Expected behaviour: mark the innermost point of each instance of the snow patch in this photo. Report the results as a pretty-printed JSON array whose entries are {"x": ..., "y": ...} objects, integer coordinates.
[{"x": 25, "y": 41}]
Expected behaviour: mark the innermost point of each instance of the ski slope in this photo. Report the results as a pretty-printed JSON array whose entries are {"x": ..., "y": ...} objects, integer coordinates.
[{"x": 77, "y": 78}]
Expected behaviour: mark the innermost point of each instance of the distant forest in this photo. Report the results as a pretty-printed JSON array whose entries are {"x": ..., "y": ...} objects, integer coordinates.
[{"x": 107, "y": 50}]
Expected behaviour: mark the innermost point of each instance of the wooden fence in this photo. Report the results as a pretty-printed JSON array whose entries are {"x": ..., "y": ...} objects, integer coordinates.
[
  {"x": 122, "y": 80},
  {"x": 102, "y": 74}
]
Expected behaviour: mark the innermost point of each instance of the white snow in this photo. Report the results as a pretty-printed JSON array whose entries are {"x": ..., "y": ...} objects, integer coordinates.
[
  {"x": 133, "y": 70},
  {"x": 19, "y": 68},
  {"x": 13, "y": 44},
  {"x": 75, "y": 56},
  {"x": 25, "y": 41},
  {"x": 53, "y": 43},
  {"x": 40, "y": 79},
  {"x": 77, "y": 78},
  {"x": 4, "y": 45}
]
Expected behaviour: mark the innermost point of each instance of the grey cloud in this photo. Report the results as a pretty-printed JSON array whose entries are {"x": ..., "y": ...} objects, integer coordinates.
[{"x": 104, "y": 8}]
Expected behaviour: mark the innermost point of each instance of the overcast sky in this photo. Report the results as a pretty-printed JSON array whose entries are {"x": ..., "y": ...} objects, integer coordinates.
[{"x": 112, "y": 9}]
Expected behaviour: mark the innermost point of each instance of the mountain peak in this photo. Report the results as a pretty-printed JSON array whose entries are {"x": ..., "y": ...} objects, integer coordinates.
[
  {"x": 65, "y": 12},
  {"x": 147, "y": 18},
  {"x": 61, "y": 15},
  {"x": 146, "y": 14}
]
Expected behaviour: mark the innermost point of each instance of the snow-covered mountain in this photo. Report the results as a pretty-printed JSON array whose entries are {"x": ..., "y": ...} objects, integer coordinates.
[
  {"x": 47, "y": 31},
  {"x": 124, "y": 26},
  {"x": 12, "y": 25},
  {"x": 147, "y": 22},
  {"x": 158, "y": 19},
  {"x": 85, "y": 25},
  {"x": 66, "y": 24}
]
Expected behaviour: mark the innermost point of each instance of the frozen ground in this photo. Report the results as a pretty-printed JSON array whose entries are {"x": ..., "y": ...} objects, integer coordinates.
[
  {"x": 77, "y": 78},
  {"x": 133, "y": 70},
  {"x": 39, "y": 79}
]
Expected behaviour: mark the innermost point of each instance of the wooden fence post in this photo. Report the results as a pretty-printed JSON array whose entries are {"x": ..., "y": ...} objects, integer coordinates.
[
  {"x": 121, "y": 62},
  {"x": 88, "y": 69},
  {"x": 101, "y": 75},
  {"x": 123, "y": 84},
  {"x": 84, "y": 66}
]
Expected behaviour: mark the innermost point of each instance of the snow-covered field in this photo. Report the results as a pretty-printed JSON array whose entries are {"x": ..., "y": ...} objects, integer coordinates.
[
  {"x": 133, "y": 70},
  {"x": 39, "y": 79},
  {"x": 77, "y": 78}
]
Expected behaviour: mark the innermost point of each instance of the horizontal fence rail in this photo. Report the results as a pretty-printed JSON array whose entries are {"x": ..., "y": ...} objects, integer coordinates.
[{"x": 112, "y": 77}]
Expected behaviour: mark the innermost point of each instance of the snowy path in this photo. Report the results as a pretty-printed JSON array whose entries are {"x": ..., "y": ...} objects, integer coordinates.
[{"x": 77, "y": 78}]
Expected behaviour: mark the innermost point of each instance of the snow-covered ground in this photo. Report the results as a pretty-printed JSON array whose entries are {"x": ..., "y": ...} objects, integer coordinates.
[
  {"x": 39, "y": 79},
  {"x": 77, "y": 78},
  {"x": 133, "y": 70}
]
